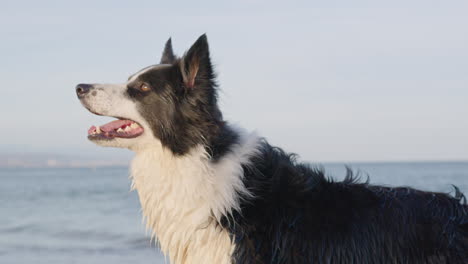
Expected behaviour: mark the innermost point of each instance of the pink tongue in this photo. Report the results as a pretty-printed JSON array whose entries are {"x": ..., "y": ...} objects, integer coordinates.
[
  {"x": 115, "y": 125},
  {"x": 109, "y": 127}
]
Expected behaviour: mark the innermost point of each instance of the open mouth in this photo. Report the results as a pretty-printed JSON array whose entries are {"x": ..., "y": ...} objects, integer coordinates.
[{"x": 116, "y": 129}]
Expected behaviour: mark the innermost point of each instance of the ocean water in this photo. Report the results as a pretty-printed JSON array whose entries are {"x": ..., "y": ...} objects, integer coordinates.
[{"x": 90, "y": 216}]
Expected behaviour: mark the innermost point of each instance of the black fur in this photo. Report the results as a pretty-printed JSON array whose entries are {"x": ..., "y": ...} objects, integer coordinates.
[
  {"x": 168, "y": 56},
  {"x": 182, "y": 115},
  {"x": 297, "y": 215},
  {"x": 300, "y": 216}
]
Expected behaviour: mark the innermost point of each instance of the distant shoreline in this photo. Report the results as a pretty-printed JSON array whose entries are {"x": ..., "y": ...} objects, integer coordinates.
[{"x": 57, "y": 164}]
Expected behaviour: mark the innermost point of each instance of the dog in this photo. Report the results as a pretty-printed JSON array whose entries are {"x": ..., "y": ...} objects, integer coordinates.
[{"x": 214, "y": 193}]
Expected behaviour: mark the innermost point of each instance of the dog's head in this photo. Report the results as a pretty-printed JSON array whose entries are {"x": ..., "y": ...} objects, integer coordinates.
[{"x": 174, "y": 103}]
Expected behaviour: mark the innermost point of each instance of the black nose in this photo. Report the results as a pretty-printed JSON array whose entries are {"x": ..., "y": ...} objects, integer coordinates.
[{"x": 82, "y": 89}]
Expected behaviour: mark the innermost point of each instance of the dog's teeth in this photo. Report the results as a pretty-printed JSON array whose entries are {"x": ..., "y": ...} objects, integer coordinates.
[
  {"x": 98, "y": 130},
  {"x": 127, "y": 129},
  {"x": 120, "y": 130},
  {"x": 134, "y": 125}
]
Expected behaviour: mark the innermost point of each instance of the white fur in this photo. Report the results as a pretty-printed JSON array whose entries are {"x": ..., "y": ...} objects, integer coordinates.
[{"x": 183, "y": 198}]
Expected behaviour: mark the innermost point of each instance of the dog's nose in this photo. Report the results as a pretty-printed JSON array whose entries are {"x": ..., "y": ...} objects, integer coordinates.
[{"x": 82, "y": 89}]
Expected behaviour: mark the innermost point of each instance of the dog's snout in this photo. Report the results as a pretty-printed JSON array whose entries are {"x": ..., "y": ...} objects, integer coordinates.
[{"x": 82, "y": 89}]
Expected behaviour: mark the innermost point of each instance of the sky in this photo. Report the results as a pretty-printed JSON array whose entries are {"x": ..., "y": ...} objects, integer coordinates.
[{"x": 329, "y": 80}]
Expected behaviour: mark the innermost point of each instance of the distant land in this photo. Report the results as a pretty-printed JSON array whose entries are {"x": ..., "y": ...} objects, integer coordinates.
[
  {"x": 26, "y": 157},
  {"x": 92, "y": 157},
  {"x": 38, "y": 160}
]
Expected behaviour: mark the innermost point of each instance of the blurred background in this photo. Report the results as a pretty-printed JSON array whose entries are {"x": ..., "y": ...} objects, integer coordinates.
[{"x": 382, "y": 87}]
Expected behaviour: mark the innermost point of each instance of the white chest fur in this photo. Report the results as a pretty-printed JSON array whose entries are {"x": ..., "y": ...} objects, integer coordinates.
[{"x": 183, "y": 197}]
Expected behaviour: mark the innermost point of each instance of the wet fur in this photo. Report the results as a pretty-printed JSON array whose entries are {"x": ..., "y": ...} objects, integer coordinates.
[
  {"x": 212, "y": 193},
  {"x": 298, "y": 215}
]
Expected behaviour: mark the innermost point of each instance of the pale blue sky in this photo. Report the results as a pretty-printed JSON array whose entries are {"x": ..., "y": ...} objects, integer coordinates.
[{"x": 332, "y": 81}]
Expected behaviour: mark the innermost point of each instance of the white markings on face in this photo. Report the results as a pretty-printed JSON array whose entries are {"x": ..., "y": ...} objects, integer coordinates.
[
  {"x": 109, "y": 100},
  {"x": 113, "y": 100}
]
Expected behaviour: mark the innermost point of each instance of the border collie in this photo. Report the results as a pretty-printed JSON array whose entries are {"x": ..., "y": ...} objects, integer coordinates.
[{"x": 213, "y": 193}]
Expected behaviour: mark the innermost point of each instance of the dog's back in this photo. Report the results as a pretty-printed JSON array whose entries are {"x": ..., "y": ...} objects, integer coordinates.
[{"x": 299, "y": 216}]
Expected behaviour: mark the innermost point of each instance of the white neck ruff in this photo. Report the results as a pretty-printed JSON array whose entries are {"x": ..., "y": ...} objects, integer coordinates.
[{"x": 184, "y": 197}]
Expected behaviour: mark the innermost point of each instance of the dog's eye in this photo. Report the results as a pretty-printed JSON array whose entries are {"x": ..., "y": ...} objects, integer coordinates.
[{"x": 144, "y": 87}]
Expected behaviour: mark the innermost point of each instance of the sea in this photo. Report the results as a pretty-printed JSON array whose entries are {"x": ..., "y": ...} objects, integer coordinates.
[{"x": 76, "y": 215}]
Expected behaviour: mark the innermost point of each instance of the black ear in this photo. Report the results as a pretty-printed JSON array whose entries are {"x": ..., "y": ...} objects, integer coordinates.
[
  {"x": 168, "y": 55},
  {"x": 196, "y": 64}
]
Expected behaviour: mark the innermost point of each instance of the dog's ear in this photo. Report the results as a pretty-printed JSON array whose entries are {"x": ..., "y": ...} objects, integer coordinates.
[
  {"x": 196, "y": 64},
  {"x": 168, "y": 55}
]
